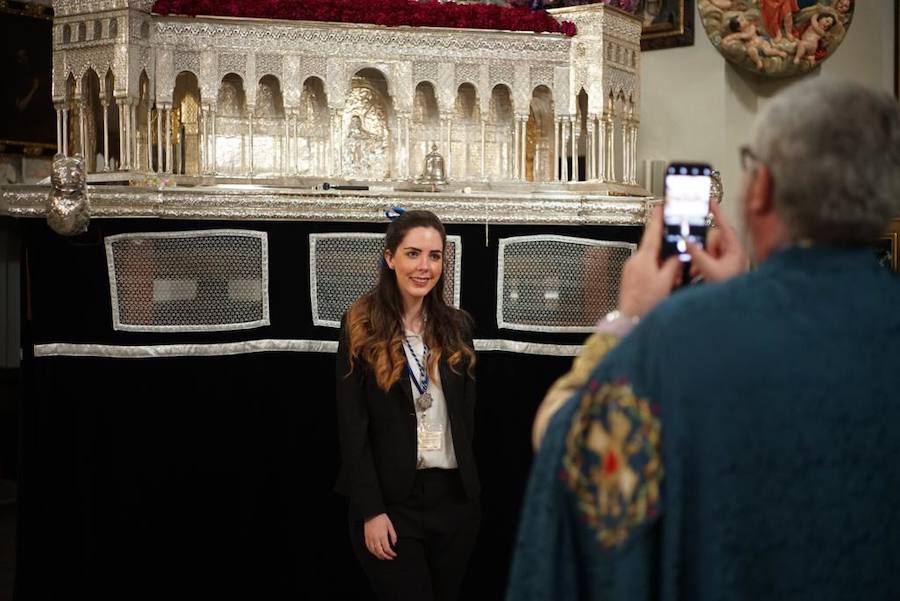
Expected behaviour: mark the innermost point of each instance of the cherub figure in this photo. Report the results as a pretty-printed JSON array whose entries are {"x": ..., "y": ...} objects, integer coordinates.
[
  {"x": 744, "y": 30},
  {"x": 819, "y": 26},
  {"x": 843, "y": 9}
]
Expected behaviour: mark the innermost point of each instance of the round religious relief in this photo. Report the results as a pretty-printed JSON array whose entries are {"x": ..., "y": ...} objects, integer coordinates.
[{"x": 776, "y": 37}]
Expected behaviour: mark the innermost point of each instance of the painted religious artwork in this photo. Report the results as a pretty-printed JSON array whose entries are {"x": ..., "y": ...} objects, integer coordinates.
[
  {"x": 29, "y": 121},
  {"x": 777, "y": 37},
  {"x": 887, "y": 247},
  {"x": 666, "y": 23}
]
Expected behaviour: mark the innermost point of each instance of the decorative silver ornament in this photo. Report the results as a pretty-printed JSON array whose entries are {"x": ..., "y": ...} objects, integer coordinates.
[
  {"x": 716, "y": 191},
  {"x": 68, "y": 208},
  {"x": 434, "y": 172}
]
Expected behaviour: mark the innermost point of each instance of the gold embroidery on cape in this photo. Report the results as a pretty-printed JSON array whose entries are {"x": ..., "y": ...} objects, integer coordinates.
[{"x": 612, "y": 462}]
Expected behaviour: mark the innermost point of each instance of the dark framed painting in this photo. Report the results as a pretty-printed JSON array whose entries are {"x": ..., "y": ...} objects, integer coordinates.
[
  {"x": 667, "y": 23},
  {"x": 897, "y": 50},
  {"x": 887, "y": 247},
  {"x": 28, "y": 125}
]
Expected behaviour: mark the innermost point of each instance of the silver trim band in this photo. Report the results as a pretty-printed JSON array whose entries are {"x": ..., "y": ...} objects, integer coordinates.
[
  {"x": 63, "y": 349},
  {"x": 528, "y": 348},
  {"x": 562, "y": 207}
]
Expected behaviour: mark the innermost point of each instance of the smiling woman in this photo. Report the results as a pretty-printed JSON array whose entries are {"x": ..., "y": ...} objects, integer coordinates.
[
  {"x": 418, "y": 263},
  {"x": 405, "y": 403}
]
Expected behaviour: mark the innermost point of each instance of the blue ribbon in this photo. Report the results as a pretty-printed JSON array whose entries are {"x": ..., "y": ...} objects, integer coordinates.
[
  {"x": 394, "y": 212},
  {"x": 423, "y": 373}
]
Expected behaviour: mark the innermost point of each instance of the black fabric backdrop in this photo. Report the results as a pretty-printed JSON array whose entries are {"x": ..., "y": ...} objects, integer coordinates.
[{"x": 212, "y": 476}]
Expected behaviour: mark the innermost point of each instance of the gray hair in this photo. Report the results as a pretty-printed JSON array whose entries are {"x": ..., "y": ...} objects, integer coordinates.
[{"x": 833, "y": 149}]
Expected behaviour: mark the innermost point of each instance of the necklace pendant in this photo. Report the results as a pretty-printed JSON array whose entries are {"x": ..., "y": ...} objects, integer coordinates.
[{"x": 424, "y": 401}]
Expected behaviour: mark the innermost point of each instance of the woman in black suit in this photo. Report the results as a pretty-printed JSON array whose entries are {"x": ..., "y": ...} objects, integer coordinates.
[{"x": 405, "y": 404}]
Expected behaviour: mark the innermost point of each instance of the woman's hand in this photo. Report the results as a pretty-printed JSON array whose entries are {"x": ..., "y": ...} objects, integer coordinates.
[{"x": 380, "y": 536}]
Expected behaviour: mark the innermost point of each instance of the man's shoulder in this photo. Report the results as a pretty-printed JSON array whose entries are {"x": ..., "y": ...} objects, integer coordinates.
[{"x": 735, "y": 295}]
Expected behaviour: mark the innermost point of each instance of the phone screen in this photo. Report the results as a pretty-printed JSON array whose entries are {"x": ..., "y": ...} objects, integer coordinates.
[{"x": 686, "y": 208}]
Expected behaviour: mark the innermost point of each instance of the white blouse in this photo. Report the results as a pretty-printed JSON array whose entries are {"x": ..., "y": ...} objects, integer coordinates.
[{"x": 434, "y": 415}]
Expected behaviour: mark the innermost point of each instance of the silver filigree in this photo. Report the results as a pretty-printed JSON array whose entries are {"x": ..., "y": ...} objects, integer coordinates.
[
  {"x": 602, "y": 58},
  {"x": 426, "y": 71},
  {"x": 269, "y": 64},
  {"x": 187, "y": 61},
  {"x": 468, "y": 73},
  {"x": 230, "y": 62}
]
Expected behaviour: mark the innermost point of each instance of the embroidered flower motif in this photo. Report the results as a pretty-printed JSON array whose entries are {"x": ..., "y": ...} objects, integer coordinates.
[{"x": 613, "y": 461}]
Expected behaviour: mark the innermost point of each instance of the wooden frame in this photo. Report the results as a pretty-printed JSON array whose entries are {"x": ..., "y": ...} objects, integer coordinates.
[
  {"x": 28, "y": 123},
  {"x": 887, "y": 247},
  {"x": 673, "y": 26}
]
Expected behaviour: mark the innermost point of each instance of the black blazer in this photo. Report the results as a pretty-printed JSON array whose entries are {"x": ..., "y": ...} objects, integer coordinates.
[{"x": 377, "y": 431}]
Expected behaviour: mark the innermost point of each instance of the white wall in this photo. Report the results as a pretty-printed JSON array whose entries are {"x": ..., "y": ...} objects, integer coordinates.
[{"x": 697, "y": 106}]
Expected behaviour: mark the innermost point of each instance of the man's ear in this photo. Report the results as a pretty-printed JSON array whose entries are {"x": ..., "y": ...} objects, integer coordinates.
[{"x": 760, "y": 201}]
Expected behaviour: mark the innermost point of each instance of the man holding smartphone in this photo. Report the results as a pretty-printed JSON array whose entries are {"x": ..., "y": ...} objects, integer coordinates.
[{"x": 740, "y": 440}]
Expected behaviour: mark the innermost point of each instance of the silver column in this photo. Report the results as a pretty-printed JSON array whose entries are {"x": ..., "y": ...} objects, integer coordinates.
[
  {"x": 160, "y": 167},
  {"x": 105, "y": 135},
  {"x": 169, "y": 151}
]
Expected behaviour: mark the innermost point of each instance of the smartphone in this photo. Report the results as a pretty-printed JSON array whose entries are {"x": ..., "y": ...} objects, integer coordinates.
[{"x": 687, "y": 190}]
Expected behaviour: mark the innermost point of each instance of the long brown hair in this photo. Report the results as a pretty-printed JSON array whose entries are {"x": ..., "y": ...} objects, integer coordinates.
[{"x": 375, "y": 321}]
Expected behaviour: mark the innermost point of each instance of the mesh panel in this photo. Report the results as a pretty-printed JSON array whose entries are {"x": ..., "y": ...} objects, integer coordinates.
[
  {"x": 557, "y": 283},
  {"x": 189, "y": 281},
  {"x": 343, "y": 267}
]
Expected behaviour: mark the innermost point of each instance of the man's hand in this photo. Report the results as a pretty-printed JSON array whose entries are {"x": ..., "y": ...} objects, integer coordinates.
[
  {"x": 724, "y": 256},
  {"x": 380, "y": 536},
  {"x": 644, "y": 281}
]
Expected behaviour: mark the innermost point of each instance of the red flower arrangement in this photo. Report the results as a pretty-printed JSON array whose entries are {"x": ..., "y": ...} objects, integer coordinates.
[{"x": 389, "y": 13}]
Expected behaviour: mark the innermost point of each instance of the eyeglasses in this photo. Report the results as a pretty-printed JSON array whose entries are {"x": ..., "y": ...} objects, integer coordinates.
[
  {"x": 750, "y": 162},
  {"x": 748, "y": 158}
]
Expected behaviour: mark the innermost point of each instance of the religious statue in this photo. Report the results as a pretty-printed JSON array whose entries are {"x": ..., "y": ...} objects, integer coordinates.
[
  {"x": 265, "y": 101},
  {"x": 229, "y": 102},
  {"x": 364, "y": 151}
]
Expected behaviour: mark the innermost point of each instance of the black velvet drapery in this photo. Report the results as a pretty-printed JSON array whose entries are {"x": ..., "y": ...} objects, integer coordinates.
[{"x": 212, "y": 476}]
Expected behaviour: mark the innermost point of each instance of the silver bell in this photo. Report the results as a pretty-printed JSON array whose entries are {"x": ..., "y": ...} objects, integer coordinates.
[{"x": 434, "y": 172}]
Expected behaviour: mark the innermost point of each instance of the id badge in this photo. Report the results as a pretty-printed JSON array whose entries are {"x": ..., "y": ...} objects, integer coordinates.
[{"x": 431, "y": 437}]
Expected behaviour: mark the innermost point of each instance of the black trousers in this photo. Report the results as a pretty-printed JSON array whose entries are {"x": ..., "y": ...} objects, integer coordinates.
[{"x": 436, "y": 529}]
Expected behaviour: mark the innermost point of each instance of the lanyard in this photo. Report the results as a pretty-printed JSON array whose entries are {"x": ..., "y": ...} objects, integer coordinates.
[{"x": 423, "y": 373}]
